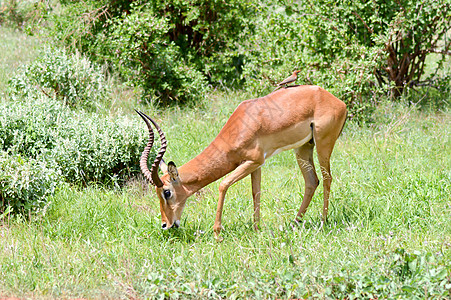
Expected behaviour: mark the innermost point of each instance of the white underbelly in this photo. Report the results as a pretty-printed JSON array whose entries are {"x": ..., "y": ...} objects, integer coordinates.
[{"x": 297, "y": 144}]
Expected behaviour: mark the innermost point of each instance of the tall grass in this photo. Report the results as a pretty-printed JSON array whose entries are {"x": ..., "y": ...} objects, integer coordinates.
[
  {"x": 389, "y": 211},
  {"x": 388, "y": 233}
]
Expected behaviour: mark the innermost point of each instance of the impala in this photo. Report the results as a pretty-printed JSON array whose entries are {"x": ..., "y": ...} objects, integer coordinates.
[{"x": 296, "y": 117}]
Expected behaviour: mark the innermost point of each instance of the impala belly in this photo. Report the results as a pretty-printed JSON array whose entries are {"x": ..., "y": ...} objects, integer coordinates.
[
  {"x": 290, "y": 138},
  {"x": 288, "y": 147}
]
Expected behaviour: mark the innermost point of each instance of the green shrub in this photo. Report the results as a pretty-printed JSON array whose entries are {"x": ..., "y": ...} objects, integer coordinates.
[
  {"x": 93, "y": 148},
  {"x": 44, "y": 143},
  {"x": 32, "y": 127},
  {"x": 358, "y": 50},
  {"x": 146, "y": 59},
  {"x": 70, "y": 78},
  {"x": 83, "y": 147},
  {"x": 287, "y": 40},
  {"x": 396, "y": 35},
  {"x": 15, "y": 13},
  {"x": 172, "y": 50},
  {"x": 26, "y": 183}
]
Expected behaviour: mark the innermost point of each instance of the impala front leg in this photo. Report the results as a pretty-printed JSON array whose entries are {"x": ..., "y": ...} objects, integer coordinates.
[
  {"x": 239, "y": 173},
  {"x": 217, "y": 227},
  {"x": 256, "y": 178}
]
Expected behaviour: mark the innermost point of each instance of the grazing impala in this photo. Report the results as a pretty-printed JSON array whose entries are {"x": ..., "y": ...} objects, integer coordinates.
[{"x": 297, "y": 117}]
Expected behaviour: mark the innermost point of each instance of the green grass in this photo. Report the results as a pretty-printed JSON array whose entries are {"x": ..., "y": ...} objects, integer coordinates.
[
  {"x": 16, "y": 48},
  {"x": 388, "y": 233},
  {"x": 389, "y": 213}
]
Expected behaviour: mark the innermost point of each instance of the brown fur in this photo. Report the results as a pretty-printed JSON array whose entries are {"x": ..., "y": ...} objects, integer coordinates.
[{"x": 259, "y": 128}]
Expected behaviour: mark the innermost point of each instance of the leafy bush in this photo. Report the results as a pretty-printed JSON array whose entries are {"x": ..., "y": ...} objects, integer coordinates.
[
  {"x": 146, "y": 59},
  {"x": 32, "y": 127},
  {"x": 169, "y": 49},
  {"x": 16, "y": 13},
  {"x": 70, "y": 78},
  {"x": 358, "y": 50},
  {"x": 174, "y": 51},
  {"x": 400, "y": 33},
  {"x": 40, "y": 131},
  {"x": 25, "y": 183},
  {"x": 83, "y": 147},
  {"x": 92, "y": 148},
  {"x": 283, "y": 43}
]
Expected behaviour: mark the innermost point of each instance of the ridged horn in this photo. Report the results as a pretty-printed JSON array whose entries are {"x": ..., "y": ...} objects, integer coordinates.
[
  {"x": 152, "y": 175},
  {"x": 145, "y": 154}
]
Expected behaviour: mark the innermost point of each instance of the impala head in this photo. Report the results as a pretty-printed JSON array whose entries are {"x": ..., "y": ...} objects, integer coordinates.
[{"x": 169, "y": 189}]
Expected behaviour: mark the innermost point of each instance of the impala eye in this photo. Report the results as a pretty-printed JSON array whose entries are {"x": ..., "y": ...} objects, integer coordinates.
[{"x": 167, "y": 194}]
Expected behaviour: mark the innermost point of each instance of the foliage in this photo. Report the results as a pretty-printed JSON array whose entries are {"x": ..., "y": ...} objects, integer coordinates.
[
  {"x": 81, "y": 147},
  {"x": 40, "y": 131},
  {"x": 147, "y": 59},
  {"x": 92, "y": 148},
  {"x": 15, "y": 13},
  {"x": 424, "y": 279},
  {"x": 173, "y": 51},
  {"x": 402, "y": 33},
  {"x": 427, "y": 277},
  {"x": 410, "y": 275},
  {"x": 358, "y": 50},
  {"x": 26, "y": 183},
  {"x": 169, "y": 49},
  {"x": 70, "y": 78}
]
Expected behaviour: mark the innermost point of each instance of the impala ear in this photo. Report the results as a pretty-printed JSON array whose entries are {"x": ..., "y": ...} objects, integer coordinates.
[
  {"x": 172, "y": 171},
  {"x": 163, "y": 166}
]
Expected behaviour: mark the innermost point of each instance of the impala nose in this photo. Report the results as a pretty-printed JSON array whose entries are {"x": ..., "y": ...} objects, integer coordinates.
[{"x": 176, "y": 224}]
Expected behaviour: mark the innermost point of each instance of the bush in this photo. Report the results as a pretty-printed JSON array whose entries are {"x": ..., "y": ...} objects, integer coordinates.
[
  {"x": 70, "y": 78},
  {"x": 93, "y": 148},
  {"x": 26, "y": 183},
  {"x": 171, "y": 50},
  {"x": 358, "y": 50},
  {"x": 82, "y": 147},
  {"x": 48, "y": 142},
  {"x": 145, "y": 57},
  {"x": 283, "y": 43},
  {"x": 401, "y": 34},
  {"x": 15, "y": 13},
  {"x": 32, "y": 127}
]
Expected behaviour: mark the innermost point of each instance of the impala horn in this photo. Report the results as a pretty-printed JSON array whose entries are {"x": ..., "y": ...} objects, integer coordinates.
[{"x": 152, "y": 175}]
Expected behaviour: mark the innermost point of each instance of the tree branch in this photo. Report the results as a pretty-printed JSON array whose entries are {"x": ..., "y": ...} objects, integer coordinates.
[
  {"x": 444, "y": 52},
  {"x": 363, "y": 21}
]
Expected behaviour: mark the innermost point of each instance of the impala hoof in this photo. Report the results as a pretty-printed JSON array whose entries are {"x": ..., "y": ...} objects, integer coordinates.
[
  {"x": 218, "y": 238},
  {"x": 217, "y": 231}
]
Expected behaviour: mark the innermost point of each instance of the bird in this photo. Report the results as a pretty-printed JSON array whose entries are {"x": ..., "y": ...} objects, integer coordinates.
[{"x": 290, "y": 79}]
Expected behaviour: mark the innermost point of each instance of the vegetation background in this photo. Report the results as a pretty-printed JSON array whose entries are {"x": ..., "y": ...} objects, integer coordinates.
[{"x": 77, "y": 220}]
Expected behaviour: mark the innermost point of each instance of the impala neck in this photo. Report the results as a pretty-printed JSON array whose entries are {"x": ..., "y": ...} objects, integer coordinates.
[{"x": 207, "y": 167}]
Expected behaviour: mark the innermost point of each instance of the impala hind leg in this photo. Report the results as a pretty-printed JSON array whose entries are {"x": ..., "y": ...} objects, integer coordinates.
[
  {"x": 304, "y": 157},
  {"x": 324, "y": 149},
  {"x": 256, "y": 177},
  {"x": 327, "y": 181},
  {"x": 239, "y": 173}
]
